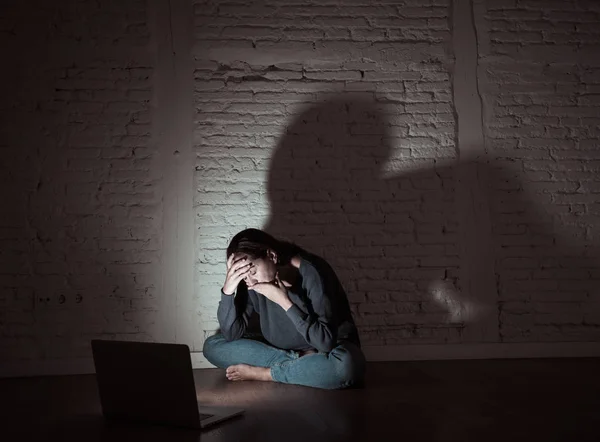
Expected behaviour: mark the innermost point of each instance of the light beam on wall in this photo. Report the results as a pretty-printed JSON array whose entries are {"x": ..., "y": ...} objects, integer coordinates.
[{"x": 459, "y": 310}]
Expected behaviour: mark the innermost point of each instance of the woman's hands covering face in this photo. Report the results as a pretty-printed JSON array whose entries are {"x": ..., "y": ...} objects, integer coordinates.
[{"x": 237, "y": 269}]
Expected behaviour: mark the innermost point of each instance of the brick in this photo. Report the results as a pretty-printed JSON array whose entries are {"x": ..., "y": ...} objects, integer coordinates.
[
  {"x": 283, "y": 75},
  {"x": 428, "y": 108},
  {"x": 517, "y": 37},
  {"x": 340, "y": 22},
  {"x": 428, "y": 12},
  {"x": 360, "y": 34},
  {"x": 589, "y": 100},
  {"x": 576, "y": 155},
  {"x": 256, "y": 108},
  {"x": 392, "y": 76},
  {"x": 570, "y": 16},
  {"x": 394, "y": 22},
  {"x": 240, "y": 11},
  {"x": 252, "y": 33},
  {"x": 347, "y": 10},
  {"x": 333, "y": 76},
  {"x": 377, "y": 308}
]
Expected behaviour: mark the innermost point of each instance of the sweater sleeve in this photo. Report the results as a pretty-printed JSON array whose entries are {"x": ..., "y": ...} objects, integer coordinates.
[
  {"x": 318, "y": 328},
  {"x": 233, "y": 317}
]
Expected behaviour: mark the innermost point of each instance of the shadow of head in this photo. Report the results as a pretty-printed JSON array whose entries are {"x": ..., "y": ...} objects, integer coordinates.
[{"x": 330, "y": 153}]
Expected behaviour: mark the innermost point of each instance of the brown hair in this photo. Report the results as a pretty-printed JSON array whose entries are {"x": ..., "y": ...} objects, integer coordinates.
[{"x": 255, "y": 243}]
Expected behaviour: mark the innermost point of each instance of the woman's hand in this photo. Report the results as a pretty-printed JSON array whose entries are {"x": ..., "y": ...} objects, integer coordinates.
[
  {"x": 275, "y": 291},
  {"x": 236, "y": 271}
]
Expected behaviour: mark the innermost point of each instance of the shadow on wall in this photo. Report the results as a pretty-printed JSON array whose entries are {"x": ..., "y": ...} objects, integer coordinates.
[
  {"x": 71, "y": 268},
  {"x": 68, "y": 265},
  {"x": 395, "y": 241}
]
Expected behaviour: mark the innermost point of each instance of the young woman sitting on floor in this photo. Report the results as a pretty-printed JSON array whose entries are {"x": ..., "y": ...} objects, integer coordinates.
[{"x": 309, "y": 335}]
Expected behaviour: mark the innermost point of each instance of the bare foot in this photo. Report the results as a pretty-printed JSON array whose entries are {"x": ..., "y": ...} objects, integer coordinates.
[{"x": 243, "y": 372}]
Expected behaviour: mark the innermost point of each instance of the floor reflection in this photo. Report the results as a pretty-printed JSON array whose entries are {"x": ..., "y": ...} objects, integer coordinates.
[{"x": 276, "y": 412}]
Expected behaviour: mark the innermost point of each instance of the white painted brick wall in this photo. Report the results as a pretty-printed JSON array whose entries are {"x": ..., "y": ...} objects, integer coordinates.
[
  {"x": 540, "y": 87},
  {"x": 306, "y": 113},
  {"x": 330, "y": 123}
]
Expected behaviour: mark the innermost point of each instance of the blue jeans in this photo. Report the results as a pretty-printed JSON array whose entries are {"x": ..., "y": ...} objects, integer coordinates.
[{"x": 342, "y": 367}]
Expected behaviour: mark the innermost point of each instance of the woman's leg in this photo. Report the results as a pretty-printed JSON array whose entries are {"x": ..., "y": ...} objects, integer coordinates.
[
  {"x": 342, "y": 367},
  {"x": 223, "y": 353}
]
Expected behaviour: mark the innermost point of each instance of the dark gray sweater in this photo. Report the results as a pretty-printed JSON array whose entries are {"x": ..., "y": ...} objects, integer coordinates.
[{"x": 319, "y": 319}]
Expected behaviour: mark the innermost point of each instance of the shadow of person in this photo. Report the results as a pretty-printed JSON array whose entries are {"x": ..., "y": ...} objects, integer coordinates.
[
  {"x": 397, "y": 241},
  {"x": 328, "y": 193},
  {"x": 544, "y": 252}
]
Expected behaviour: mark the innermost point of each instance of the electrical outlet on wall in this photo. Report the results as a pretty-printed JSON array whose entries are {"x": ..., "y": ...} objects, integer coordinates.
[
  {"x": 42, "y": 301},
  {"x": 59, "y": 299}
]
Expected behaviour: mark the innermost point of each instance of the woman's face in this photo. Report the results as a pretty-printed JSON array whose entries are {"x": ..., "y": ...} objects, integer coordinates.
[{"x": 261, "y": 269}]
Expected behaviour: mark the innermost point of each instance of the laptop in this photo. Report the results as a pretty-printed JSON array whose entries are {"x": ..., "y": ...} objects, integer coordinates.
[{"x": 153, "y": 383}]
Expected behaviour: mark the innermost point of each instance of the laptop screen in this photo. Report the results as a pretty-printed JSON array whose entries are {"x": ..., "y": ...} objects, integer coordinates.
[{"x": 151, "y": 382}]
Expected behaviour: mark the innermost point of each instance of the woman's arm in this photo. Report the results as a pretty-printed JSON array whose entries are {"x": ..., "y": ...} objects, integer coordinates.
[
  {"x": 319, "y": 328},
  {"x": 233, "y": 319}
]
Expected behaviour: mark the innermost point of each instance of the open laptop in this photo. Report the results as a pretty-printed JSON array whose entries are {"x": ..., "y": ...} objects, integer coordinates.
[{"x": 151, "y": 382}]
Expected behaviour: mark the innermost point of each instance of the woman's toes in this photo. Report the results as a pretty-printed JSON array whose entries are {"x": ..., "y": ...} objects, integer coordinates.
[
  {"x": 232, "y": 373},
  {"x": 244, "y": 372}
]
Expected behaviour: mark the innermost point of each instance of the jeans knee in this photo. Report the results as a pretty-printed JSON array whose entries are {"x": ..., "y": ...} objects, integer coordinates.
[
  {"x": 211, "y": 344},
  {"x": 350, "y": 366}
]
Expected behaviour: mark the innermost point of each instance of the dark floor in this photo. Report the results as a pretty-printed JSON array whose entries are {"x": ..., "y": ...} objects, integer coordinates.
[{"x": 491, "y": 400}]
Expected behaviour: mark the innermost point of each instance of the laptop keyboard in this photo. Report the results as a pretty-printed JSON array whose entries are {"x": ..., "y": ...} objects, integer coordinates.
[{"x": 205, "y": 416}]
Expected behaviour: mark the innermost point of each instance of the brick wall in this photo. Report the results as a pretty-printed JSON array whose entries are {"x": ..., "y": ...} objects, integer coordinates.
[
  {"x": 325, "y": 124},
  {"x": 334, "y": 124},
  {"x": 540, "y": 80},
  {"x": 80, "y": 231}
]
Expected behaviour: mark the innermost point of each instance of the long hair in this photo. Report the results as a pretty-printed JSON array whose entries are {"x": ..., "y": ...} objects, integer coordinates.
[{"x": 255, "y": 243}]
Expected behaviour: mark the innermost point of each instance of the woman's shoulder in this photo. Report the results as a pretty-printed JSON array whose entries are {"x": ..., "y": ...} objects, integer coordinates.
[{"x": 314, "y": 266}]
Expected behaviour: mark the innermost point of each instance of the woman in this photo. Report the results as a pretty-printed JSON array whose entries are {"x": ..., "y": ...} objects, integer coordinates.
[{"x": 305, "y": 318}]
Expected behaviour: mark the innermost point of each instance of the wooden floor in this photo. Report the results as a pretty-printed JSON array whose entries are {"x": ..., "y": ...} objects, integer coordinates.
[{"x": 492, "y": 400}]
